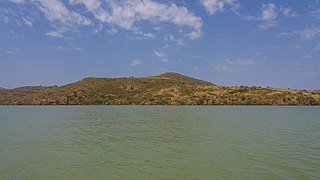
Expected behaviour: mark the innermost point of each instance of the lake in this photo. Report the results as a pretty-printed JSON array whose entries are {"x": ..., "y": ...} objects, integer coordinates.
[{"x": 159, "y": 142}]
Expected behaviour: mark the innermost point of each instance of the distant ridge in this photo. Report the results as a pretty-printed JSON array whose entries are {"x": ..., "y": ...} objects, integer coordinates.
[{"x": 166, "y": 89}]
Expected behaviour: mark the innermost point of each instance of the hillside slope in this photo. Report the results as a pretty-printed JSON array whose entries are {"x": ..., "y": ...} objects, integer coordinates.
[
  {"x": 165, "y": 89},
  {"x": 9, "y": 94}
]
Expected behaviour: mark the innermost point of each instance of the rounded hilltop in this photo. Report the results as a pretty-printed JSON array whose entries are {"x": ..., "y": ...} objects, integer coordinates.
[
  {"x": 186, "y": 79},
  {"x": 165, "y": 89}
]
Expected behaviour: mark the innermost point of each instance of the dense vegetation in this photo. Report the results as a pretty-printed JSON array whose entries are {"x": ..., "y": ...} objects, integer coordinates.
[{"x": 165, "y": 89}]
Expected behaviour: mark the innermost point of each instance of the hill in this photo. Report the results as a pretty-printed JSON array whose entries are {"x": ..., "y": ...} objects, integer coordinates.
[
  {"x": 21, "y": 92},
  {"x": 165, "y": 89}
]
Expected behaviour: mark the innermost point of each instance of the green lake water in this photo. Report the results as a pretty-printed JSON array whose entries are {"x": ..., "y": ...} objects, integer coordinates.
[{"x": 159, "y": 142}]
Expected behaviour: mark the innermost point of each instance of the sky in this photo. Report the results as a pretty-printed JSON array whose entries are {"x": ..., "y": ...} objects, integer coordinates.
[{"x": 273, "y": 43}]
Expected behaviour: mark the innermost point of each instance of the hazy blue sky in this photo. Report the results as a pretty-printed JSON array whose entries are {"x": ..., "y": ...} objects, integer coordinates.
[{"x": 228, "y": 42}]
